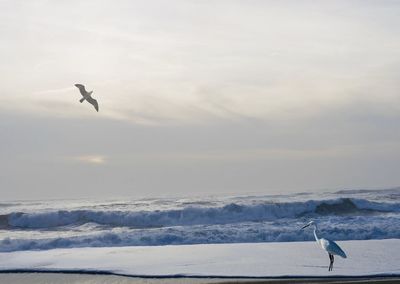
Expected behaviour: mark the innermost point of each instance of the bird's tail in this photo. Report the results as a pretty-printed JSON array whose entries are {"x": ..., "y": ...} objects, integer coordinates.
[{"x": 81, "y": 100}]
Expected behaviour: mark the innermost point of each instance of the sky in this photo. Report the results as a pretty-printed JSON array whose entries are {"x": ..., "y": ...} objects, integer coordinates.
[{"x": 198, "y": 97}]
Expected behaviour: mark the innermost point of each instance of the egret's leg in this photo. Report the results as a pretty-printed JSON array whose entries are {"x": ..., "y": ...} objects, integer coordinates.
[{"x": 331, "y": 262}]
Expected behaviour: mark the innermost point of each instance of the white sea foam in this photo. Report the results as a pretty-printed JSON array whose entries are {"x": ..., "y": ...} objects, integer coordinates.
[
  {"x": 230, "y": 213},
  {"x": 305, "y": 259},
  {"x": 343, "y": 216}
]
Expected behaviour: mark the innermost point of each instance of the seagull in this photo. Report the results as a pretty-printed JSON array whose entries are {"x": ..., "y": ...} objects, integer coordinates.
[
  {"x": 87, "y": 96},
  {"x": 329, "y": 246}
]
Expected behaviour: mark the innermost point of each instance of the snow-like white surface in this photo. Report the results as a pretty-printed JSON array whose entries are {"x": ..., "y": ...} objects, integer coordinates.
[{"x": 261, "y": 259}]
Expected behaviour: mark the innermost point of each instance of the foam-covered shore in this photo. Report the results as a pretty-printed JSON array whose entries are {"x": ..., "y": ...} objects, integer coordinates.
[
  {"x": 71, "y": 278},
  {"x": 295, "y": 259}
]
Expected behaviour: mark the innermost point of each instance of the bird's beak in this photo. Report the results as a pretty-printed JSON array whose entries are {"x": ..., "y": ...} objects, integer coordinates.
[{"x": 305, "y": 226}]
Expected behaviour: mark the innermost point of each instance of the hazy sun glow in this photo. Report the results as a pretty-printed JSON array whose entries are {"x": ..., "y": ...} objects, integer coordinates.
[{"x": 91, "y": 159}]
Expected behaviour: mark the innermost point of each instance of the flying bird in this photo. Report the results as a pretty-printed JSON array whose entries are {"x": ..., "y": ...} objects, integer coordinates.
[
  {"x": 87, "y": 96},
  {"x": 329, "y": 246}
]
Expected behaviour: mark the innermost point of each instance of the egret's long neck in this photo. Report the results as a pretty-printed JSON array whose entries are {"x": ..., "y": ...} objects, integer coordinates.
[{"x": 315, "y": 233}]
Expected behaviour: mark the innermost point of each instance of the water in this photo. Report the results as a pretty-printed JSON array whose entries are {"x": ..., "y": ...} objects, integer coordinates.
[{"x": 343, "y": 215}]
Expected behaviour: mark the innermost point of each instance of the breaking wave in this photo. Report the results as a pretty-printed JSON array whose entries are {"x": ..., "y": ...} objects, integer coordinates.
[
  {"x": 67, "y": 224},
  {"x": 230, "y": 213},
  {"x": 337, "y": 228}
]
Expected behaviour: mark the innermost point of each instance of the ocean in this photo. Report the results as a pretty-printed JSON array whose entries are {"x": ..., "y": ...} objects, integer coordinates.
[{"x": 341, "y": 215}]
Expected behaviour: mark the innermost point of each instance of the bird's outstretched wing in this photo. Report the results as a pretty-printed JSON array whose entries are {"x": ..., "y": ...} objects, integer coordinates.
[
  {"x": 81, "y": 89},
  {"x": 93, "y": 102}
]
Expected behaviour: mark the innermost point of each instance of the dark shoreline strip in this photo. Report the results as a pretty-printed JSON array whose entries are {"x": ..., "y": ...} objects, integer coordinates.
[{"x": 177, "y": 276}]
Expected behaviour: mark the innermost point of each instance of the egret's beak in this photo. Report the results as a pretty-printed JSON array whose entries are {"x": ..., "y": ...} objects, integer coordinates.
[{"x": 305, "y": 226}]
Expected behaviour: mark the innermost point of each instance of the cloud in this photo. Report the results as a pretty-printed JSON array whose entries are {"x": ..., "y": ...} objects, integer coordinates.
[
  {"x": 56, "y": 91},
  {"x": 201, "y": 61}
]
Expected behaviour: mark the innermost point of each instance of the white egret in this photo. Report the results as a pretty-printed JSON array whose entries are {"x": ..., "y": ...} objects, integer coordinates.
[
  {"x": 329, "y": 246},
  {"x": 87, "y": 96}
]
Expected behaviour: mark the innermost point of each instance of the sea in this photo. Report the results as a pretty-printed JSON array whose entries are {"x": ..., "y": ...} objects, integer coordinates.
[{"x": 340, "y": 215}]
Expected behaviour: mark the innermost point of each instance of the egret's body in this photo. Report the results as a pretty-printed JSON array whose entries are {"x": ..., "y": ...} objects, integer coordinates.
[
  {"x": 329, "y": 246},
  {"x": 87, "y": 96}
]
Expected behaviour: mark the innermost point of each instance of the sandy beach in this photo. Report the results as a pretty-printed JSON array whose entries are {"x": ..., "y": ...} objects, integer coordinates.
[
  {"x": 198, "y": 264},
  {"x": 64, "y": 278}
]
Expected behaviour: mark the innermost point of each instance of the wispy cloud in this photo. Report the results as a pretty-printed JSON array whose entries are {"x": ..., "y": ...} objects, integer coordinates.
[
  {"x": 258, "y": 61},
  {"x": 52, "y": 91}
]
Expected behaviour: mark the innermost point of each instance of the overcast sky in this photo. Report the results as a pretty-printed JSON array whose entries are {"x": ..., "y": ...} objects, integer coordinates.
[{"x": 198, "y": 97}]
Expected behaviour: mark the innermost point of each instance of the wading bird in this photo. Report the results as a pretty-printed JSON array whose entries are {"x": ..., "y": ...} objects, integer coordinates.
[
  {"x": 87, "y": 96},
  {"x": 329, "y": 246}
]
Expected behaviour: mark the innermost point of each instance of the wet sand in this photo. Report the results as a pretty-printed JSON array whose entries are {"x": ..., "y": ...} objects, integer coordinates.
[{"x": 70, "y": 278}]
